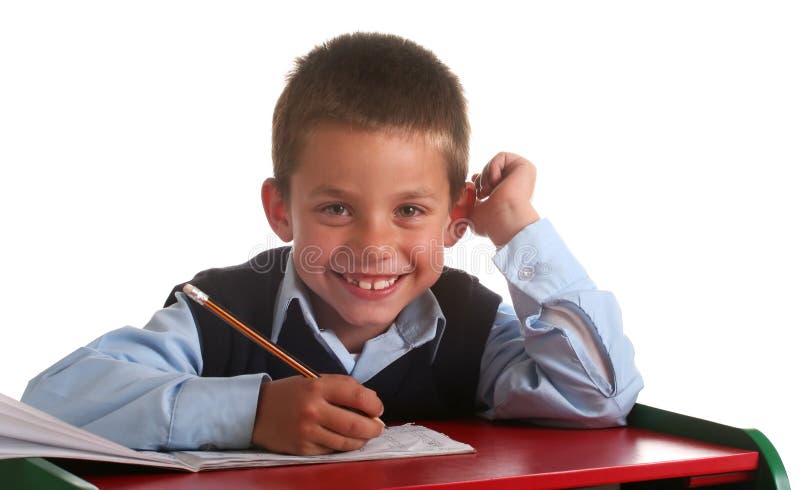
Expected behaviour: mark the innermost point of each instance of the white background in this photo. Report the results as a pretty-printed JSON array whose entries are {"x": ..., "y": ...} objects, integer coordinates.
[{"x": 134, "y": 138}]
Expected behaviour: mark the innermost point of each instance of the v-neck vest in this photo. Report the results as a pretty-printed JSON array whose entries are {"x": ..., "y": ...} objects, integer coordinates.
[{"x": 411, "y": 388}]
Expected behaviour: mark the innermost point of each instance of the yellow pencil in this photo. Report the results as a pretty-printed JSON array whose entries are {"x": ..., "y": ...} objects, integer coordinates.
[{"x": 202, "y": 299}]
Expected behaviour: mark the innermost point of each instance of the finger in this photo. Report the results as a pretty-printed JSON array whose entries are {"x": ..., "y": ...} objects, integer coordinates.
[
  {"x": 350, "y": 424},
  {"x": 498, "y": 169},
  {"x": 482, "y": 184},
  {"x": 310, "y": 449},
  {"x": 347, "y": 392},
  {"x": 495, "y": 168},
  {"x": 490, "y": 176},
  {"x": 476, "y": 181},
  {"x": 332, "y": 440}
]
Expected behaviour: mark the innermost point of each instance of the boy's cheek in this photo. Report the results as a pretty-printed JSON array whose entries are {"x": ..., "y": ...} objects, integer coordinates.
[
  {"x": 306, "y": 260},
  {"x": 428, "y": 257}
]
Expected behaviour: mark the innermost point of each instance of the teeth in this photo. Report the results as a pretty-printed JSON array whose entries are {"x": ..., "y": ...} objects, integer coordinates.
[{"x": 381, "y": 284}]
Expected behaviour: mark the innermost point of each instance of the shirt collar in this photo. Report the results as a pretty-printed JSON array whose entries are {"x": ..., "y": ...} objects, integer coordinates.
[
  {"x": 421, "y": 321},
  {"x": 291, "y": 288}
]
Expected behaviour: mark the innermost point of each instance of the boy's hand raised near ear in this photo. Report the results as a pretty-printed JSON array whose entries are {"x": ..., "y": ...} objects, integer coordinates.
[
  {"x": 298, "y": 415},
  {"x": 504, "y": 189}
]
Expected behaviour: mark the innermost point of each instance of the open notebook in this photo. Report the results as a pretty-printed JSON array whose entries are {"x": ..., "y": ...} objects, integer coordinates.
[{"x": 28, "y": 432}]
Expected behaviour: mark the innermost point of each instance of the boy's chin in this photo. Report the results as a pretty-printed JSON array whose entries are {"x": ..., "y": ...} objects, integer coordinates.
[{"x": 371, "y": 322}]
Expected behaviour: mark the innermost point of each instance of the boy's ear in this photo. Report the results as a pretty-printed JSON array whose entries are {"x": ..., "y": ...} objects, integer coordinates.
[
  {"x": 277, "y": 210},
  {"x": 460, "y": 215}
]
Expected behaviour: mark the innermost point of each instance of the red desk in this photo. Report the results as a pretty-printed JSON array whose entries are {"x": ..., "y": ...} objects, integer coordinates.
[{"x": 509, "y": 456}]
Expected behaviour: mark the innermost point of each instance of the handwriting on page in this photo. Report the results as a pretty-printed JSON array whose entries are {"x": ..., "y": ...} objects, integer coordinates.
[{"x": 406, "y": 438}]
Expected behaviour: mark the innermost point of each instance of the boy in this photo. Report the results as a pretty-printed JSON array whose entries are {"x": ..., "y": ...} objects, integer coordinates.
[{"x": 370, "y": 150}]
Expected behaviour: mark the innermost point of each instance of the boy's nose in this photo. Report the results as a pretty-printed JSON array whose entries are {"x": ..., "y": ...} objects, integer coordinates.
[{"x": 375, "y": 240}]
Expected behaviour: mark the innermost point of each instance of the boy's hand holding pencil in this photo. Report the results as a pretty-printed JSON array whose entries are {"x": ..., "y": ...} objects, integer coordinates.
[{"x": 310, "y": 416}]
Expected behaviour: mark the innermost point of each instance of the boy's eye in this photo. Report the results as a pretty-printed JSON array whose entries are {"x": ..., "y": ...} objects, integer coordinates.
[
  {"x": 335, "y": 209},
  {"x": 408, "y": 211}
]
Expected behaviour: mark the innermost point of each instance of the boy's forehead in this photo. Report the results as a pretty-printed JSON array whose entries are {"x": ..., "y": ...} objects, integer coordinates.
[
  {"x": 421, "y": 191},
  {"x": 335, "y": 156}
]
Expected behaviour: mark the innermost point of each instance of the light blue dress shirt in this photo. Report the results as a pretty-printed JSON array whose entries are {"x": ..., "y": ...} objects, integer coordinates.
[{"x": 143, "y": 389}]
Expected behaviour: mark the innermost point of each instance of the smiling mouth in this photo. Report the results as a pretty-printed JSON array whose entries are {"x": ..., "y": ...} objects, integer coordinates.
[{"x": 370, "y": 283}]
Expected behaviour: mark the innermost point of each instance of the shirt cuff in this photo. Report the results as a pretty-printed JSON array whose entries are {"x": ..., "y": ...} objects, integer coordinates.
[
  {"x": 538, "y": 262},
  {"x": 215, "y": 413}
]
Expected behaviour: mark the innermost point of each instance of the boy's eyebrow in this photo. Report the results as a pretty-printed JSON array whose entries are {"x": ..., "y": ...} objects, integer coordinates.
[
  {"x": 330, "y": 190},
  {"x": 418, "y": 193},
  {"x": 327, "y": 190}
]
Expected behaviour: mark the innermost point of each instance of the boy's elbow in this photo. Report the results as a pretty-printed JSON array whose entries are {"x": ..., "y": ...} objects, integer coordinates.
[
  {"x": 603, "y": 415},
  {"x": 612, "y": 411},
  {"x": 40, "y": 395},
  {"x": 591, "y": 410},
  {"x": 604, "y": 410},
  {"x": 611, "y": 414},
  {"x": 34, "y": 394}
]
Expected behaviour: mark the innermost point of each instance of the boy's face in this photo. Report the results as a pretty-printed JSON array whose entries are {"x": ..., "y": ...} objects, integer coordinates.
[{"x": 369, "y": 213}]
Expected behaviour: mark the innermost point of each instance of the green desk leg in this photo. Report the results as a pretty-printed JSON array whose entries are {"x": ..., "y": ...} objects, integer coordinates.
[
  {"x": 771, "y": 473},
  {"x": 37, "y": 473}
]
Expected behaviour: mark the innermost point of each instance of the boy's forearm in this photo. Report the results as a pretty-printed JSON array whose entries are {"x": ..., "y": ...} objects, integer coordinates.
[
  {"x": 141, "y": 388},
  {"x": 145, "y": 408},
  {"x": 573, "y": 387}
]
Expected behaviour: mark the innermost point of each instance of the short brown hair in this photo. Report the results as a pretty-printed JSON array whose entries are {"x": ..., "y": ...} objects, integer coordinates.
[{"x": 372, "y": 81}]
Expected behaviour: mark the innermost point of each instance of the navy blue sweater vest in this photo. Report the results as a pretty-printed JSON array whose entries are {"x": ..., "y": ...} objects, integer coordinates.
[{"x": 411, "y": 388}]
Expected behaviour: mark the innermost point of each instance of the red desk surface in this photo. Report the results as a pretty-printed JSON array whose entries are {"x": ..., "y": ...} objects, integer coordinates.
[{"x": 508, "y": 456}]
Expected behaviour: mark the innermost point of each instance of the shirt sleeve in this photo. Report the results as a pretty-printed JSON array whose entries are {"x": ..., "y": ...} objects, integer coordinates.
[
  {"x": 141, "y": 387},
  {"x": 565, "y": 370}
]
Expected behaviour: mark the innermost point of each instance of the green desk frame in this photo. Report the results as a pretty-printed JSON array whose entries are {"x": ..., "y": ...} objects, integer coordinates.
[
  {"x": 771, "y": 473},
  {"x": 38, "y": 473}
]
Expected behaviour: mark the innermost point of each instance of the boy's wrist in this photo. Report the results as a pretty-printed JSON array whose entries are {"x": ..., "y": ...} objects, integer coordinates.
[
  {"x": 228, "y": 425},
  {"x": 511, "y": 221}
]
